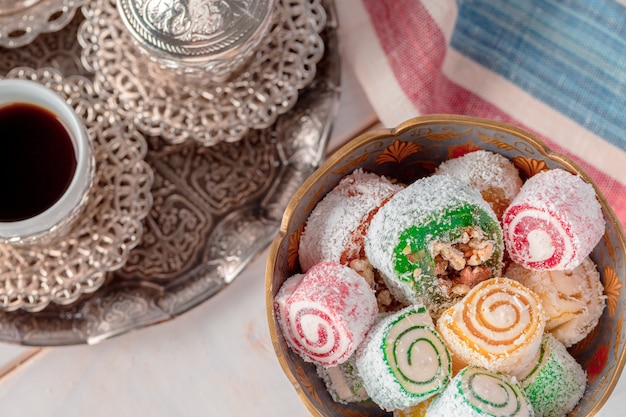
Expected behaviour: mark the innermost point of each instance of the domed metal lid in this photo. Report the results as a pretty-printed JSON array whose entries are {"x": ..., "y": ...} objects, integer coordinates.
[{"x": 196, "y": 32}]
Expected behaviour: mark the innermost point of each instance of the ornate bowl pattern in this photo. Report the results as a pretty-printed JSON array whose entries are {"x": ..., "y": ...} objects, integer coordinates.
[{"x": 410, "y": 151}]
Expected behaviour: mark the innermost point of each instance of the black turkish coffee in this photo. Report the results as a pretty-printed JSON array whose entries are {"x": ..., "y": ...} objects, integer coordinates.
[{"x": 37, "y": 161}]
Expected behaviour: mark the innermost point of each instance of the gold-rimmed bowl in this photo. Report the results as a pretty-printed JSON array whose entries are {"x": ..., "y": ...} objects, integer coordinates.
[{"x": 413, "y": 150}]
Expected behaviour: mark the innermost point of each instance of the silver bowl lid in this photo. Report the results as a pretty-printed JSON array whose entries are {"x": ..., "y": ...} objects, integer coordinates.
[{"x": 196, "y": 32}]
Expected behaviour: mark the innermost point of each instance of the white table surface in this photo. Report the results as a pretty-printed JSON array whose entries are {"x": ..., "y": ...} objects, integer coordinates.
[{"x": 215, "y": 360}]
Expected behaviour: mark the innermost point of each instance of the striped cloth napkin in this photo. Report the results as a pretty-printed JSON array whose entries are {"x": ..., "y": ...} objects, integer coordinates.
[{"x": 556, "y": 68}]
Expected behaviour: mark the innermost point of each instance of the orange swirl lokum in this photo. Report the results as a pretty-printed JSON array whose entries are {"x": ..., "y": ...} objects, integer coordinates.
[{"x": 498, "y": 325}]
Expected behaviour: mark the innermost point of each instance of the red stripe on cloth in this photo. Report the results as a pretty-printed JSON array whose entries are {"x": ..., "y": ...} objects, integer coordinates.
[{"x": 416, "y": 63}]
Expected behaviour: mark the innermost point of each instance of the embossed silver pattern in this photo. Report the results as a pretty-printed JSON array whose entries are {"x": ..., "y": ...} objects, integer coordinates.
[
  {"x": 205, "y": 224},
  {"x": 209, "y": 38},
  {"x": 21, "y": 21},
  {"x": 101, "y": 238},
  {"x": 177, "y": 108},
  {"x": 59, "y": 51}
]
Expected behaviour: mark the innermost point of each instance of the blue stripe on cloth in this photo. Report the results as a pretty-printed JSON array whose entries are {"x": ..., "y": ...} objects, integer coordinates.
[{"x": 570, "y": 54}]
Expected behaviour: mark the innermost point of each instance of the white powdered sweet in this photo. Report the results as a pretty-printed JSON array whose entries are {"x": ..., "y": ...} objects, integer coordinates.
[
  {"x": 491, "y": 174},
  {"x": 333, "y": 229},
  {"x": 343, "y": 382},
  {"x": 572, "y": 300}
]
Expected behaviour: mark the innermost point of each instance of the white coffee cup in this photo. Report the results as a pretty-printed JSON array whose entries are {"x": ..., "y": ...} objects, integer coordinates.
[{"x": 55, "y": 219}]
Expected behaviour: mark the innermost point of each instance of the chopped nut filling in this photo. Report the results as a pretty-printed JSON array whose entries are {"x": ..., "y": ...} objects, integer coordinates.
[
  {"x": 385, "y": 300},
  {"x": 365, "y": 269},
  {"x": 459, "y": 265}
]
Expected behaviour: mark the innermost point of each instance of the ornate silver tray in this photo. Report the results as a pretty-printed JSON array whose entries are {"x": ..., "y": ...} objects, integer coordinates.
[
  {"x": 214, "y": 208},
  {"x": 21, "y": 21},
  {"x": 59, "y": 271},
  {"x": 179, "y": 106}
]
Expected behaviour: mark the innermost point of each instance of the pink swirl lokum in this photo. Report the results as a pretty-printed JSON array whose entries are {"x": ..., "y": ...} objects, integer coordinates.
[
  {"x": 325, "y": 313},
  {"x": 554, "y": 222}
]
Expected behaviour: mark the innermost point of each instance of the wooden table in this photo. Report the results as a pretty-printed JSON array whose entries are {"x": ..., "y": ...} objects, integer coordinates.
[{"x": 216, "y": 360}]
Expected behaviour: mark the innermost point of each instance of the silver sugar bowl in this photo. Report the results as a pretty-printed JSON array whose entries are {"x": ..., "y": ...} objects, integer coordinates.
[{"x": 209, "y": 39}]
